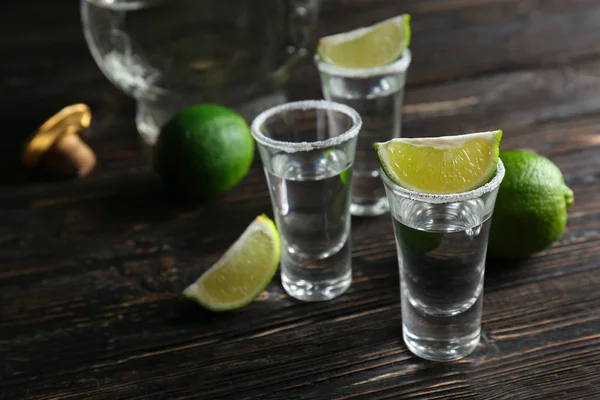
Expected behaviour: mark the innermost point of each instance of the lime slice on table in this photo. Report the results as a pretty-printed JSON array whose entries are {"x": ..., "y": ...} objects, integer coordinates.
[
  {"x": 368, "y": 47},
  {"x": 448, "y": 164},
  {"x": 243, "y": 272}
]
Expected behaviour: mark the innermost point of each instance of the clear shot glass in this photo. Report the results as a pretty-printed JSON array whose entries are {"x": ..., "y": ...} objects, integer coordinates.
[
  {"x": 442, "y": 244},
  {"x": 377, "y": 94},
  {"x": 307, "y": 149}
]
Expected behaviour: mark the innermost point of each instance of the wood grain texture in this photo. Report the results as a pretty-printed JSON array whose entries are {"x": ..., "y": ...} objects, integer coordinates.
[{"x": 91, "y": 271}]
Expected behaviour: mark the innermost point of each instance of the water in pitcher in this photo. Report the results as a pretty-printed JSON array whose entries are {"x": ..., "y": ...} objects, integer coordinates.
[{"x": 169, "y": 54}]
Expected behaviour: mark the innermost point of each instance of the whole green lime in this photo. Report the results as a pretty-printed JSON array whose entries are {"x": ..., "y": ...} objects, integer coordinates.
[
  {"x": 203, "y": 150},
  {"x": 531, "y": 208}
]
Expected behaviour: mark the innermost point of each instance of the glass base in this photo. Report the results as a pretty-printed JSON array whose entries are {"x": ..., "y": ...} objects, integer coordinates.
[
  {"x": 381, "y": 206},
  {"x": 151, "y": 116},
  {"x": 316, "y": 291},
  {"x": 441, "y": 350}
]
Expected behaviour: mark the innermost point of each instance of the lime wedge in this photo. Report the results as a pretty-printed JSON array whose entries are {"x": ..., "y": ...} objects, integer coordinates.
[
  {"x": 243, "y": 272},
  {"x": 449, "y": 164},
  {"x": 368, "y": 47}
]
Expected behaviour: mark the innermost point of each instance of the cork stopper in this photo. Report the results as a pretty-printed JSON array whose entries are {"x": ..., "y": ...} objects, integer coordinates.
[{"x": 57, "y": 145}]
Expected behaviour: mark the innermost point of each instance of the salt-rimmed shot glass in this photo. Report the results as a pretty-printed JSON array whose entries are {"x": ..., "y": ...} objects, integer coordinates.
[
  {"x": 378, "y": 96},
  {"x": 307, "y": 150},
  {"x": 442, "y": 244}
]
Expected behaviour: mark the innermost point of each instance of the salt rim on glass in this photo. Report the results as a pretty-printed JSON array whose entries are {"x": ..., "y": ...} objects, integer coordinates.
[
  {"x": 447, "y": 197},
  {"x": 398, "y": 66},
  {"x": 304, "y": 105}
]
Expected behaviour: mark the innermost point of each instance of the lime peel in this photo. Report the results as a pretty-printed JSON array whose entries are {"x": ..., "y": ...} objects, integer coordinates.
[
  {"x": 243, "y": 271},
  {"x": 531, "y": 211},
  {"x": 203, "y": 150}
]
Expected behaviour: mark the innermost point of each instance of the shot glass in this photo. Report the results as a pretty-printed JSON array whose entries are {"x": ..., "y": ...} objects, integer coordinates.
[
  {"x": 442, "y": 244},
  {"x": 378, "y": 95},
  {"x": 307, "y": 149}
]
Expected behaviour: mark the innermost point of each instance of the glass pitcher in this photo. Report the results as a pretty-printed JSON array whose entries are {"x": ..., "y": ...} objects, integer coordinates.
[{"x": 169, "y": 54}]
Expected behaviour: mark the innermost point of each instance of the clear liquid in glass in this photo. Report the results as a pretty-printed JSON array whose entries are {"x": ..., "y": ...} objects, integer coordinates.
[
  {"x": 379, "y": 100},
  {"x": 310, "y": 196},
  {"x": 441, "y": 252}
]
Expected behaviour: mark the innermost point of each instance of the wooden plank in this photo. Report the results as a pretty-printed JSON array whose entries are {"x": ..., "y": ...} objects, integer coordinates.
[
  {"x": 369, "y": 358},
  {"x": 91, "y": 271},
  {"x": 508, "y": 101},
  {"x": 458, "y": 38},
  {"x": 511, "y": 101},
  {"x": 452, "y": 39},
  {"x": 115, "y": 309}
]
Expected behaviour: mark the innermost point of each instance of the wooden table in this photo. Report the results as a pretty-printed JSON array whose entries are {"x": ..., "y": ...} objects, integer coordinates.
[{"x": 91, "y": 271}]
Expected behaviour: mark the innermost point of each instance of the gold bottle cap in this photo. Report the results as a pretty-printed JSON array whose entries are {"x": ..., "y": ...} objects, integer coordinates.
[{"x": 57, "y": 142}]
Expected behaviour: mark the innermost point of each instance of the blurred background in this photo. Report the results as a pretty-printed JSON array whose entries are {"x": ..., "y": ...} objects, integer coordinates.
[{"x": 486, "y": 61}]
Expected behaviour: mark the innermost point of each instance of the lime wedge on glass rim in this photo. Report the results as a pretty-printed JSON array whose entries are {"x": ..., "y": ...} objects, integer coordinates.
[
  {"x": 367, "y": 47},
  {"x": 447, "y": 164},
  {"x": 243, "y": 271}
]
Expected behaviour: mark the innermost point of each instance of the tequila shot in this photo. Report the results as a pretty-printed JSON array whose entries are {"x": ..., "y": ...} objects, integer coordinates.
[
  {"x": 307, "y": 149},
  {"x": 442, "y": 244},
  {"x": 378, "y": 95}
]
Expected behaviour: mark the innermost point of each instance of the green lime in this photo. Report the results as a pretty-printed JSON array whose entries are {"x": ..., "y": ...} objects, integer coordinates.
[
  {"x": 417, "y": 242},
  {"x": 368, "y": 47},
  {"x": 203, "y": 150},
  {"x": 531, "y": 208},
  {"x": 243, "y": 272},
  {"x": 447, "y": 164},
  {"x": 345, "y": 176}
]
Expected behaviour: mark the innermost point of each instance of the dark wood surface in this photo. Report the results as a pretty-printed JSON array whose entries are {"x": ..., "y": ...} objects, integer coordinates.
[{"x": 91, "y": 271}]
